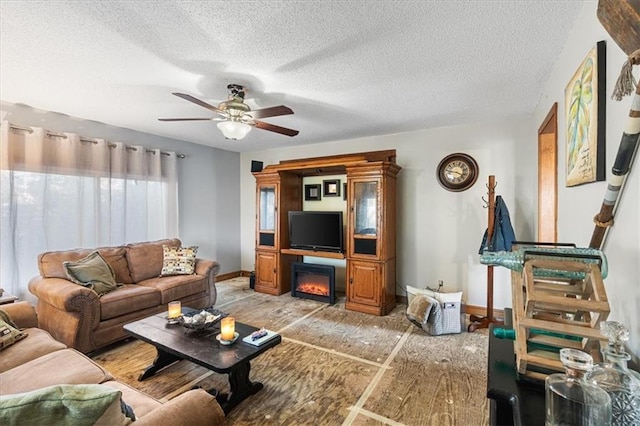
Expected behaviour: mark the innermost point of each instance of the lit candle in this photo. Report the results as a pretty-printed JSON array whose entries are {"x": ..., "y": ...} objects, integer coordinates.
[
  {"x": 175, "y": 309},
  {"x": 227, "y": 328}
]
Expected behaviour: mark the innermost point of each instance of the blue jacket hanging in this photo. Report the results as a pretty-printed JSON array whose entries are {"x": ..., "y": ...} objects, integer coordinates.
[{"x": 503, "y": 235}]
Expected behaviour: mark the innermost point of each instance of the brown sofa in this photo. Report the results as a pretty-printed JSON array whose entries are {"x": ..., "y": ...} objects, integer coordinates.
[
  {"x": 38, "y": 361},
  {"x": 79, "y": 318}
]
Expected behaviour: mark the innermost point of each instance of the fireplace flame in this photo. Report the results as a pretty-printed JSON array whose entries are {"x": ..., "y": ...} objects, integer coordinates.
[{"x": 313, "y": 288}]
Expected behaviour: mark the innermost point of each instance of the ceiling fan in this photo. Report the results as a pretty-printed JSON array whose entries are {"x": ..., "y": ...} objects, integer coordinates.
[{"x": 237, "y": 117}]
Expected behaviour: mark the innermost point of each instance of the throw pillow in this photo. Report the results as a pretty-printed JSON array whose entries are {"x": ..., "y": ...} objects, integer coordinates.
[
  {"x": 178, "y": 260},
  {"x": 93, "y": 272},
  {"x": 4, "y": 316},
  {"x": 419, "y": 309},
  {"x": 64, "y": 404},
  {"x": 9, "y": 335}
]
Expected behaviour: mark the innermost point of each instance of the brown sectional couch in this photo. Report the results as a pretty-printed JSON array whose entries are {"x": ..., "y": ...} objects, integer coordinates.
[
  {"x": 78, "y": 317},
  {"x": 38, "y": 361}
]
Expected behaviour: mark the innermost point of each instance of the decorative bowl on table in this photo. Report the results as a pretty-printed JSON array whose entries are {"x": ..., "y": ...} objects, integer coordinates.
[{"x": 201, "y": 320}]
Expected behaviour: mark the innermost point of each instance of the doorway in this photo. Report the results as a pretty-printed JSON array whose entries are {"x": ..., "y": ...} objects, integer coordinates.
[{"x": 548, "y": 177}]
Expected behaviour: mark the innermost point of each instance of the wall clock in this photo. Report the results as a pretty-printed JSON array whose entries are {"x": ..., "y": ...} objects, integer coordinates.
[{"x": 457, "y": 172}]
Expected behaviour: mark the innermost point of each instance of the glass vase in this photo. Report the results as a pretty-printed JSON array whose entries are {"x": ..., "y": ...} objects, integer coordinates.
[
  {"x": 612, "y": 375},
  {"x": 570, "y": 400}
]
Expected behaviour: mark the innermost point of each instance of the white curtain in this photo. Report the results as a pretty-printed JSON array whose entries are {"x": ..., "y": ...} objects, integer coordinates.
[{"x": 60, "y": 192}]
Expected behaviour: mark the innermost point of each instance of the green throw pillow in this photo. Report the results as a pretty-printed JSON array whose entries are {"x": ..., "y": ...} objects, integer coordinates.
[
  {"x": 9, "y": 334},
  {"x": 93, "y": 272},
  {"x": 178, "y": 260},
  {"x": 63, "y": 405}
]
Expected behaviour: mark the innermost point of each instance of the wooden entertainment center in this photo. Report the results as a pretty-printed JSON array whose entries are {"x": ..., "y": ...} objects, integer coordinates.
[{"x": 370, "y": 237}]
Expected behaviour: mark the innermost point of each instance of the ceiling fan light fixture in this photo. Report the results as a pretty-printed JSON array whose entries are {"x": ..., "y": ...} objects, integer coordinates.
[
  {"x": 234, "y": 130},
  {"x": 237, "y": 117}
]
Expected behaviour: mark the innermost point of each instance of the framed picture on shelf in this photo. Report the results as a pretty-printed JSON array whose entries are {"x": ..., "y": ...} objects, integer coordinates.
[
  {"x": 312, "y": 192},
  {"x": 331, "y": 187},
  {"x": 585, "y": 101}
]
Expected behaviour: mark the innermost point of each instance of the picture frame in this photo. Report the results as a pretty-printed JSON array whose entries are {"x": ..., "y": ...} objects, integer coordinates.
[
  {"x": 331, "y": 187},
  {"x": 585, "y": 109},
  {"x": 312, "y": 192}
]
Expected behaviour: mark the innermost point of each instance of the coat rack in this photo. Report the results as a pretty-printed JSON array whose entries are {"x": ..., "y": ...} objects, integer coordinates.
[{"x": 490, "y": 203}]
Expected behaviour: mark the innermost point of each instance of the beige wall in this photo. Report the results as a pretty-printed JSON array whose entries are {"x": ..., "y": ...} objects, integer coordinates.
[{"x": 439, "y": 232}]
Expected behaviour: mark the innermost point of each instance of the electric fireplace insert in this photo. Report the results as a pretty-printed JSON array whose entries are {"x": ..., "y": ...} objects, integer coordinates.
[{"x": 313, "y": 281}]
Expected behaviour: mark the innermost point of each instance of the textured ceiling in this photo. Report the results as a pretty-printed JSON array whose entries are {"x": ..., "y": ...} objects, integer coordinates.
[{"x": 347, "y": 68}]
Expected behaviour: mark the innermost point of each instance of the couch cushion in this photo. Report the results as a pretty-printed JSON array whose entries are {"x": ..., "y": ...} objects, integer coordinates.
[
  {"x": 177, "y": 286},
  {"x": 92, "y": 272},
  {"x": 39, "y": 343},
  {"x": 21, "y": 313},
  {"x": 145, "y": 259},
  {"x": 64, "y": 366},
  {"x": 128, "y": 298},
  {"x": 64, "y": 404},
  {"x": 50, "y": 263}
]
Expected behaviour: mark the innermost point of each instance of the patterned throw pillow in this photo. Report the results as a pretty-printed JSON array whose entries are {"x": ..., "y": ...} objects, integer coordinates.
[
  {"x": 9, "y": 335},
  {"x": 178, "y": 260},
  {"x": 4, "y": 316}
]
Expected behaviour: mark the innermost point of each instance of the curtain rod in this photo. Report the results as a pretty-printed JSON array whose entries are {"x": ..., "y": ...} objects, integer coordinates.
[{"x": 63, "y": 136}]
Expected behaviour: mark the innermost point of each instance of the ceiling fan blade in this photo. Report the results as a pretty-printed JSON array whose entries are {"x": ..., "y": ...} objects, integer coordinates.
[
  {"x": 197, "y": 102},
  {"x": 184, "y": 119},
  {"x": 271, "y": 112},
  {"x": 277, "y": 129}
]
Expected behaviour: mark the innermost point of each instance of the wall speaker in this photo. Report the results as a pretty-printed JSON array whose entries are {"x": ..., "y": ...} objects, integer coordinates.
[{"x": 256, "y": 166}]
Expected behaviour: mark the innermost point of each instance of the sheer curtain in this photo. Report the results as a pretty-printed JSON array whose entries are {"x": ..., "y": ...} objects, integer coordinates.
[{"x": 59, "y": 192}]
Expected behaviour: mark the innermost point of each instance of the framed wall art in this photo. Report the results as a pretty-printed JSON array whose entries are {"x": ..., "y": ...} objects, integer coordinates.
[
  {"x": 585, "y": 108},
  {"x": 331, "y": 187},
  {"x": 312, "y": 192}
]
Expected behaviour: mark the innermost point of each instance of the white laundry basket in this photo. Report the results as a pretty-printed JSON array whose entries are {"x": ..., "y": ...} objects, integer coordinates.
[{"x": 443, "y": 314}]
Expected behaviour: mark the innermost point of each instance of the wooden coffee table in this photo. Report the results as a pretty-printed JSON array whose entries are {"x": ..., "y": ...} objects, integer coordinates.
[{"x": 174, "y": 343}]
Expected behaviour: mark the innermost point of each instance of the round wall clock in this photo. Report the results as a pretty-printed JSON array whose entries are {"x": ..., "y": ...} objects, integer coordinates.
[{"x": 457, "y": 172}]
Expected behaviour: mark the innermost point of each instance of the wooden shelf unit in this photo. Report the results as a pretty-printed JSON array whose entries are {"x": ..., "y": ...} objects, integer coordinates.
[
  {"x": 315, "y": 253},
  {"x": 370, "y": 225}
]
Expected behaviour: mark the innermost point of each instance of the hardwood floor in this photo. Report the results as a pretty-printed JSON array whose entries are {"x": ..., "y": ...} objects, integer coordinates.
[{"x": 334, "y": 367}]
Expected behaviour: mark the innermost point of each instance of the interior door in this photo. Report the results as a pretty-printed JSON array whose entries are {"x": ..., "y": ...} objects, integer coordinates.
[{"x": 548, "y": 177}]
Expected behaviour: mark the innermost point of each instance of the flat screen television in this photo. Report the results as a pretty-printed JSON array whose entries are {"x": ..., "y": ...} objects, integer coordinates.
[{"x": 318, "y": 231}]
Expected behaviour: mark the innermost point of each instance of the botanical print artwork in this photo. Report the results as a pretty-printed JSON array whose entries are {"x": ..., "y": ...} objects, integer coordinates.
[{"x": 581, "y": 103}]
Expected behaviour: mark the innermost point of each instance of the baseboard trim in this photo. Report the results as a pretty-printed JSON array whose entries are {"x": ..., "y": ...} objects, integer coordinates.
[
  {"x": 229, "y": 275},
  {"x": 479, "y": 311}
]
